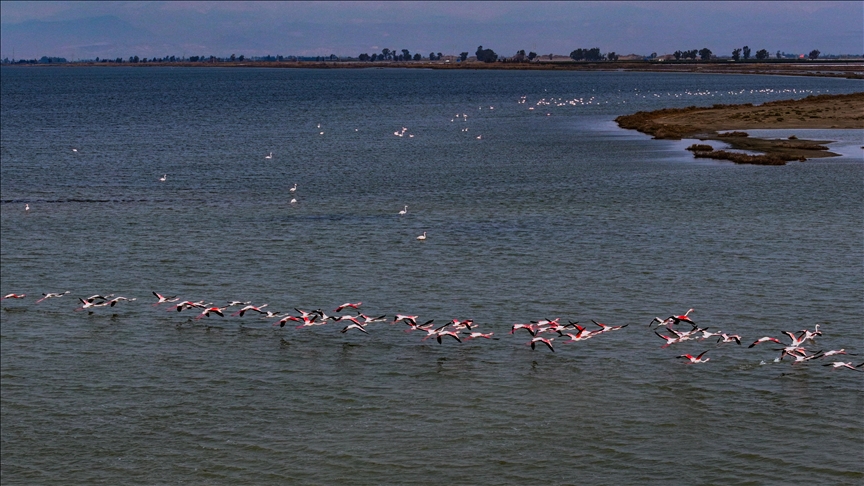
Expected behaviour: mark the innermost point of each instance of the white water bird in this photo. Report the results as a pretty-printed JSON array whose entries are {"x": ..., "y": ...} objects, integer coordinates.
[
  {"x": 163, "y": 178},
  {"x": 269, "y": 156},
  {"x": 422, "y": 237}
]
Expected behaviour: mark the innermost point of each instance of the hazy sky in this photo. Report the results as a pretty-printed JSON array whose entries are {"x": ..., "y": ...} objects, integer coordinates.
[{"x": 111, "y": 29}]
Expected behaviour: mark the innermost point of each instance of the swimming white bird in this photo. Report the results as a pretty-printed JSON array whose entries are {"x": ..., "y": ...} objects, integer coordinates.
[
  {"x": 293, "y": 201},
  {"x": 75, "y": 150},
  {"x": 269, "y": 156},
  {"x": 402, "y": 213},
  {"x": 294, "y": 189},
  {"x": 163, "y": 178},
  {"x": 26, "y": 207},
  {"x": 422, "y": 237},
  {"x": 479, "y": 137}
]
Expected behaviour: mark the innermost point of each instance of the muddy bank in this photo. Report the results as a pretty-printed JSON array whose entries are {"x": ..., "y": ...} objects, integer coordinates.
[{"x": 822, "y": 111}]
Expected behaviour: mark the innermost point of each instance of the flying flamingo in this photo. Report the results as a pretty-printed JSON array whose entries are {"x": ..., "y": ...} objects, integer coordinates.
[
  {"x": 14, "y": 296},
  {"x": 357, "y": 326},
  {"x": 114, "y": 301},
  {"x": 475, "y": 335},
  {"x": 249, "y": 308},
  {"x": 214, "y": 310},
  {"x": 163, "y": 299},
  {"x": 697, "y": 359},
  {"x": 547, "y": 342},
  {"x": 840, "y": 364},
  {"x": 50, "y": 295},
  {"x": 348, "y": 304},
  {"x": 606, "y": 328},
  {"x": 763, "y": 339},
  {"x": 728, "y": 338}
]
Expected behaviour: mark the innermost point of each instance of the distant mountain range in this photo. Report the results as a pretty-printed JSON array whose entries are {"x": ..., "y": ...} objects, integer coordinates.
[{"x": 83, "y": 38}]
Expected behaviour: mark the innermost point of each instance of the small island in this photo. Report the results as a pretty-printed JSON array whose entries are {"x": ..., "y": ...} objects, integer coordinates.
[{"x": 725, "y": 123}]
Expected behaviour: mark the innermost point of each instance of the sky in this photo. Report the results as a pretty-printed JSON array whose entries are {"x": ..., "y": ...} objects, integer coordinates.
[{"x": 85, "y": 30}]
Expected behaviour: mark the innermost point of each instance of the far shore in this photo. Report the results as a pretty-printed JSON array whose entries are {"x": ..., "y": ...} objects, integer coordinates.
[
  {"x": 851, "y": 69},
  {"x": 726, "y": 123}
]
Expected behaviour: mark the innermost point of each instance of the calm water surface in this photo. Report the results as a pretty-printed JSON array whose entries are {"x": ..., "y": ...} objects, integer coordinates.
[{"x": 553, "y": 212}]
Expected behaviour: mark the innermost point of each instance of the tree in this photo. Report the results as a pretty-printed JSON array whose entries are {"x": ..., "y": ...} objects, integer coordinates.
[
  {"x": 746, "y": 53},
  {"x": 241, "y": 58},
  {"x": 438, "y": 56},
  {"x": 611, "y": 56},
  {"x": 431, "y": 56},
  {"x": 678, "y": 55},
  {"x": 736, "y": 54},
  {"x": 762, "y": 54},
  {"x": 374, "y": 57},
  {"x": 463, "y": 56},
  {"x": 417, "y": 57},
  {"x": 705, "y": 54},
  {"x": 779, "y": 56},
  {"x": 814, "y": 54},
  {"x": 233, "y": 58},
  {"x": 406, "y": 55},
  {"x": 520, "y": 56},
  {"x": 386, "y": 53},
  {"x": 486, "y": 55},
  {"x": 363, "y": 57},
  {"x": 532, "y": 55}
]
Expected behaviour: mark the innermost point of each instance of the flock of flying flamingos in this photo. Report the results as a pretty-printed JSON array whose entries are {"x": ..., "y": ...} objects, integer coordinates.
[{"x": 543, "y": 332}]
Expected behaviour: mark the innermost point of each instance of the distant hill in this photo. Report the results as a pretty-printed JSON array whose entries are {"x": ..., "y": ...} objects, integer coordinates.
[{"x": 79, "y": 38}]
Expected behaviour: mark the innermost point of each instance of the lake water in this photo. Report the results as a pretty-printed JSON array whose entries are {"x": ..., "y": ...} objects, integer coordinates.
[{"x": 552, "y": 212}]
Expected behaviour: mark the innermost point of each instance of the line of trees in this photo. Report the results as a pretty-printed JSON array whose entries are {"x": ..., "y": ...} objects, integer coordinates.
[{"x": 592, "y": 54}]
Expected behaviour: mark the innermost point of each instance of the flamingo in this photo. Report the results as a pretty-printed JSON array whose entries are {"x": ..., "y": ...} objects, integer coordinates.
[
  {"x": 728, "y": 338},
  {"x": 422, "y": 237},
  {"x": 50, "y": 295},
  {"x": 249, "y": 308},
  {"x": 606, "y": 328},
  {"x": 370, "y": 320},
  {"x": 114, "y": 301},
  {"x": 269, "y": 156},
  {"x": 409, "y": 319},
  {"x": 404, "y": 211},
  {"x": 163, "y": 178},
  {"x": 235, "y": 303},
  {"x": 763, "y": 339},
  {"x": 163, "y": 299},
  {"x": 348, "y": 304},
  {"x": 357, "y": 326},
  {"x": 293, "y": 189},
  {"x": 547, "y": 342},
  {"x": 836, "y": 351},
  {"x": 13, "y": 296},
  {"x": 447, "y": 333},
  {"x": 26, "y": 207},
  {"x": 662, "y": 322},
  {"x": 697, "y": 359},
  {"x": 475, "y": 335},
  {"x": 669, "y": 340},
  {"x": 293, "y": 201},
  {"x": 840, "y": 364},
  {"x": 683, "y": 317},
  {"x": 215, "y": 310}
]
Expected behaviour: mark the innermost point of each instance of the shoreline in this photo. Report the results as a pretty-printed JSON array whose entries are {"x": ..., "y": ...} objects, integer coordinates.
[
  {"x": 849, "y": 69},
  {"x": 727, "y": 124}
]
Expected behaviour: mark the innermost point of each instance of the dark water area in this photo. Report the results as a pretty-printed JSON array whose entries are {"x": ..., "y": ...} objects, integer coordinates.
[{"x": 553, "y": 212}]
